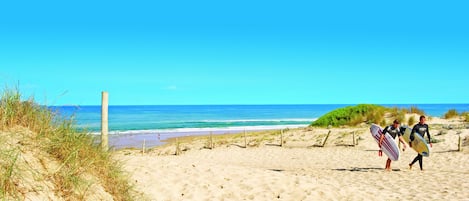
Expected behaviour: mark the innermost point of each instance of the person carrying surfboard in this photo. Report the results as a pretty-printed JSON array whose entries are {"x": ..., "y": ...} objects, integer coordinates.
[
  {"x": 394, "y": 131},
  {"x": 420, "y": 128}
]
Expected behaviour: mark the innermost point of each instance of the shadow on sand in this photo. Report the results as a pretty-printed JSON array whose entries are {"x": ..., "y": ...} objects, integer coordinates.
[{"x": 361, "y": 169}]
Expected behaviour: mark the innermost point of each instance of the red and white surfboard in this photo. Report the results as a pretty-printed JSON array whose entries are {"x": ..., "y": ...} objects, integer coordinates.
[{"x": 389, "y": 145}]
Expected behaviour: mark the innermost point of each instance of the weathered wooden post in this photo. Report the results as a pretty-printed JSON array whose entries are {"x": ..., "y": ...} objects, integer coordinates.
[
  {"x": 143, "y": 147},
  {"x": 104, "y": 120},
  {"x": 178, "y": 149},
  {"x": 353, "y": 138},
  {"x": 245, "y": 140},
  {"x": 459, "y": 142},
  {"x": 325, "y": 139},
  {"x": 281, "y": 137},
  {"x": 211, "y": 140}
]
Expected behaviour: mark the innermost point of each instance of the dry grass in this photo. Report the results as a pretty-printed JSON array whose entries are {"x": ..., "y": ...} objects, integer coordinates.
[{"x": 78, "y": 158}]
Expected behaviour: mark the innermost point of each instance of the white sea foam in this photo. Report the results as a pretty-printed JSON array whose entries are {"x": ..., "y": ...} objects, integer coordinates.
[
  {"x": 191, "y": 131},
  {"x": 258, "y": 120}
]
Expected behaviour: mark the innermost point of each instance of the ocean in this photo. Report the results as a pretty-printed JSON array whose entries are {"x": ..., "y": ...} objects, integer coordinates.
[{"x": 130, "y": 125}]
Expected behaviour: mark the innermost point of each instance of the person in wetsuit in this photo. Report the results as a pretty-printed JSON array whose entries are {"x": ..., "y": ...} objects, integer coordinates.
[
  {"x": 420, "y": 128},
  {"x": 394, "y": 131}
]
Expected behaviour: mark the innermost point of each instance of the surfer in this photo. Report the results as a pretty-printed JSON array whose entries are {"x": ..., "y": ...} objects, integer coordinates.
[
  {"x": 394, "y": 131},
  {"x": 420, "y": 128}
]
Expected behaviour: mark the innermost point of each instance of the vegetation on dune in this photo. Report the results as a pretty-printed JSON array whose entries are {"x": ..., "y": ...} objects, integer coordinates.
[
  {"x": 450, "y": 114},
  {"x": 416, "y": 110},
  {"x": 352, "y": 115},
  {"x": 465, "y": 115},
  {"x": 77, "y": 157},
  {"x": 363, "y": 113},
  {"x": 411, "y": 121}
]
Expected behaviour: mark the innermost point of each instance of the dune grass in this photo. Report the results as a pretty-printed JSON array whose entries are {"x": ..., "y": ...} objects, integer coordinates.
[
  {"x": 78, "y": 157},
  {"x": 450, "y": 114}
]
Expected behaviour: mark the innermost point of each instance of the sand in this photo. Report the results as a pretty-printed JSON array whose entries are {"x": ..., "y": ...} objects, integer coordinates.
[{"x": 300, "y": 171}]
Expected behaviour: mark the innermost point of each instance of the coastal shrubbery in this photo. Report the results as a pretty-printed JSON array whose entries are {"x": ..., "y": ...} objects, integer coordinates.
[
  {"x": 451, "y": 114},
  {"x": 465, "y": 115},
  {"x": 365, "y": 113},
  {"x": 411, "y": 121},
  {"x": 416, "y": 110},
  {"x": 28, "y": 127},
  {"x": 352, "y": 115}
]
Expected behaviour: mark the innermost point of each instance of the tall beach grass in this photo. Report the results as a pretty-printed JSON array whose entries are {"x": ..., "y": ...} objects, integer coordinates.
[{"x": 78, "y": 157}]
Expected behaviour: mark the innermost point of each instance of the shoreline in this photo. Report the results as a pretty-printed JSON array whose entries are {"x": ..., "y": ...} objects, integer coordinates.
[{"x": 152, "y": 139}]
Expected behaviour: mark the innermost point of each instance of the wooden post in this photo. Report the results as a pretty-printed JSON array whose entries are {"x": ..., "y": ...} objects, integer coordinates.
[
  {"x": 211, "y": 141},
  {"x": 104, "y": 120},
  {"x": 245, "y": 140},
  {"x": 325, "y": 139},
  {"x": 281, "y": 137},
  {"x": 177, "y": 147},
  {"x": 459, "y": 142},
  {"x": 353, "y": 138},
  {"x": 143, "y": 147}
]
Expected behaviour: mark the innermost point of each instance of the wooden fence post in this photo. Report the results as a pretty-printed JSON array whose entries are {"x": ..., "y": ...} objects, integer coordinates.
[
  {"x": 143, "y": 147},
  {"x": 245, "y": 140},
  {"x": 211, "y": 140},
  {"x": 104, "y": 120},
  {"x": 281, "y": 137},
  {"x": 459, "y": 142},
  {"x": 178, "y": 150},
  {"x": 325, "y": 139}
]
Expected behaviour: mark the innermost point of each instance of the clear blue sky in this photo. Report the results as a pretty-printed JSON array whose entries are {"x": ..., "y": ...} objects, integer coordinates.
[{"x": 236, "y": 52}]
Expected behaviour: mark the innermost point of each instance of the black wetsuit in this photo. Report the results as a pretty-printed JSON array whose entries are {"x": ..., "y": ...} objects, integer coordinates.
[
  {"x": 420, "y": 129},
  {"x": 393, "y": 131}
]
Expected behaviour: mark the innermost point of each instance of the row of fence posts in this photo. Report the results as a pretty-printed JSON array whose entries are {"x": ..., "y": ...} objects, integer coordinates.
[{"x": 105, "y": 140}]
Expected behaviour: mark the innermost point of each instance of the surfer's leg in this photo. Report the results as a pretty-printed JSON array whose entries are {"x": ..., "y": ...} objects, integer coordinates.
[
  {"x": 421, "y": 162},
  {"x": 415, "y": 160},
  {"x": 388, "y": 165}
]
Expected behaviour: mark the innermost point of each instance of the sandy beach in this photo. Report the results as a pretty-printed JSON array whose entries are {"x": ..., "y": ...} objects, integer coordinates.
[{"x": 300, "y": 169}]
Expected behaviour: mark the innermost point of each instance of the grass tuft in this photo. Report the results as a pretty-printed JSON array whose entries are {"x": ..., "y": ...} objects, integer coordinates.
[
  {"x": 78, "y": 157},
  {"x": 451, "y": 114}
]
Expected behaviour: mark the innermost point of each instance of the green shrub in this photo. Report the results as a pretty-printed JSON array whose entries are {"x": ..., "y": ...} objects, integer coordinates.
[
  {"x": 352, "y": 115},
  {"x": 450, "y": 114}
]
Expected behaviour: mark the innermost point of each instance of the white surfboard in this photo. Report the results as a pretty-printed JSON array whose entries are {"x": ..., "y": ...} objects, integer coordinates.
[{"x": 389, "y": 145}]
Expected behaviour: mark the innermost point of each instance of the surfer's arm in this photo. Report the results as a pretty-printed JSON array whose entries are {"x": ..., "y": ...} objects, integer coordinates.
[
  {"x": 429, "y": 138},
  {"x": 428, "y": 133},
  {"x": 401, "y": 140},
  {"x": 381, "y": 138}
]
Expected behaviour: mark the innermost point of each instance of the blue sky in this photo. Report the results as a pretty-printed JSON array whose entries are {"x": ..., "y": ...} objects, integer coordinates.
[{"x": 236, "y": 52}]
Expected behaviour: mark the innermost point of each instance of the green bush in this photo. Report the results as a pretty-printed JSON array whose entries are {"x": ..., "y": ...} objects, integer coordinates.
[
  {"x": 450, "y": 114},
  {"x": 352, "y": 115}
]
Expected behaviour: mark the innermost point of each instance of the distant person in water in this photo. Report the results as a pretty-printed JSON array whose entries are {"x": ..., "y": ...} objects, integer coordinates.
[
  {"x": 420, "y": 128},
  {"x": 393, "y": 130}
]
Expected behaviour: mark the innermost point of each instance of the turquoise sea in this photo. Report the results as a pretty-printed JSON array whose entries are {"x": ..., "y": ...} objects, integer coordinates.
[{"x": 130, "y": 125}]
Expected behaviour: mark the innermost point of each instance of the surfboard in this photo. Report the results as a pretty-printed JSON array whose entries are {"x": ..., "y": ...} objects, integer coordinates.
[
  {"x": 419, "y": 144},
  {"x": 389, "y": 145}
]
